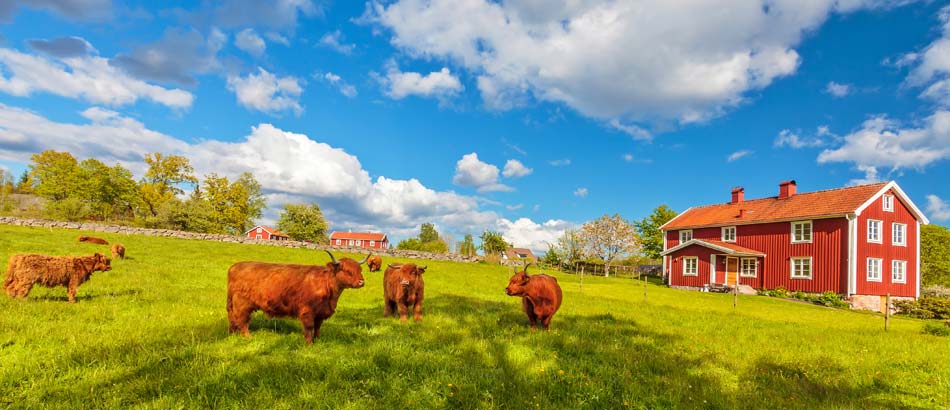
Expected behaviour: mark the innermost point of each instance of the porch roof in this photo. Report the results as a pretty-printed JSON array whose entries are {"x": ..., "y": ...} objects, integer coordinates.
[{"x": 724, "y": 247}]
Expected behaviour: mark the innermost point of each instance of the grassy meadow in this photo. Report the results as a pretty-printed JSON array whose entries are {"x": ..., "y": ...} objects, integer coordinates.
[{"x": 152, "y": 333}]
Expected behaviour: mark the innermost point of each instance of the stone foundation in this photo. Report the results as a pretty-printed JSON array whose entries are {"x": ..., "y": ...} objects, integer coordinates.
[
  {"x": 874, "y": 302},
  {"x": 129, "y": 230}
]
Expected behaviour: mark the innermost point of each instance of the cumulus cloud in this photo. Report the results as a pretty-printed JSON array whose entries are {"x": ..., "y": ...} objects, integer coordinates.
[
  {"x": 334, "y": 41},
  {"x": 612, "y": 59},
  {"x": 580, "y": 192},
  {"x": 931, "y": 66},
  {"x": 250, "y": 42},
  {"x": 515, "y": 169},
  {"x": 90, "y": 78},
  {"x": 838, "y": 90},
  {"x": 514, "y": 207},
  {"x": 525, "y": 233},
  {"x": 938, "y": 209},
  {"x": 398, "y": 85},
  {"x": 560, "y": 162},
  {"x": 472, "y": 172},
  {"x": 84, "y": 10},
  {"x": 177, "y": 57},
  {"x": 735, "y": 156},
  {"x": 62, "y": 47},
  {"x": 628, "y": 157},
  {"x": 788, "y": 138},
  {"x": 337, "y": 81},
  {"x": 266, "y": 92},
  {"x": 281, "y": 15}
]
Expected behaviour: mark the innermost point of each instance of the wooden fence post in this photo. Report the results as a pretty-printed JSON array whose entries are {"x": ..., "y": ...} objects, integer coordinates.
[
  {"x": 644, "y": 286},
  {"x": 887, "y": 312},
  {"x": 582, "y": 279}
]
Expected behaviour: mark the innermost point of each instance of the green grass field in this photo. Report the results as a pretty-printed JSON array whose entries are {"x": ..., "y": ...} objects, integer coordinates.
[{"x": 152, "y": 333}]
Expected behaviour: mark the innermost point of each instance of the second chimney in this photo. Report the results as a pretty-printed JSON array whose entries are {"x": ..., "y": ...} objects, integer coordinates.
[
  {"x": 787, "y": 189},
  {"x": 738, "y": 195}
]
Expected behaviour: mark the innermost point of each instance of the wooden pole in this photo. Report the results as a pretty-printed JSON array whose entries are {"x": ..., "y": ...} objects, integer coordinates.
[
  {"x": 644, "y": 287},
  {"x": 735, "y": 293},
  {"x": 887, "y": 312},
  {"x": 582, "y": 278}
]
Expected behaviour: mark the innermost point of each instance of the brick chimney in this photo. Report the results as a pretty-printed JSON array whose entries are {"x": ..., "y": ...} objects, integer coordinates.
[
  {"x": 787, "y": 189},
  {"x": 738, "y": 195}
]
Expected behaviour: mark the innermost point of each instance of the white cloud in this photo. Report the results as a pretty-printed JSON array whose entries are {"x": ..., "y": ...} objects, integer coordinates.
[
  {"x": 628, "y": 157},
  {"x": 514, "y": 207},
  {"x": 788, "y": 138},
  {"x": 472, "y": 172},
  {"x": 398, "y": 85},
  {"x": 560, "y": 162},
  {"x": 85, "y": 10},
  {"x": 250, "y": 42},
  {"x": 735, "y": 156},
  {"x": 881, "y": 142},
  {"x": 177, "y": 57},
  {"x": 334, "y": 41},
  {"x": 89, "y": 78},
  {"x": 280, "y": 15},
  {"x": 266, "y": 92},
  {"x": 526, "y": 233},
  {"x": 838, "y": 90},
  {"x": 580, "y": 192},
  {"x": 515, "y": 169},
  {"x": 612, "y": 59},
  {"x": 870, "y": 176},
  {"x": 938, "y": 209},
  {"x": 277, "y": 38},
  {"x": 932, "y": 65},
  {"x": 638, "y": 133},
  {"x": 345, "y": 88}
]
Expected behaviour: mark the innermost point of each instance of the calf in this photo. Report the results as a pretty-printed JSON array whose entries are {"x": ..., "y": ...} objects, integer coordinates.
[
  {"x": 309, "y": 292},
  {"x": 540, "y": 296},
  {"x": 90, "y": 239},
  {"x": 403, "y": 288},
  {"x": 26, "y": 270},
  {"x": 375, "y": 263},
  {"x": 118, "y": 251}
]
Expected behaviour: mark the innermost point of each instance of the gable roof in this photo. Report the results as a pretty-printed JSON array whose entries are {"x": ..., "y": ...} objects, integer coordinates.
[
  {"x": 724, "y": 247},
  {"x": 358, "y": 236},
  {"x": 269, "y": 230},
  {"x": 831, "y": 202},
  {"x": 517, "y": 252}
]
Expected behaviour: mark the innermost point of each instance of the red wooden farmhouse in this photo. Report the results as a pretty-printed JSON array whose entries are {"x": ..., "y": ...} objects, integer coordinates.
[
  {"x": 861, "y": 242},
  {"x": 266, "y": 232},
  {"x": 371, "y": 240}
]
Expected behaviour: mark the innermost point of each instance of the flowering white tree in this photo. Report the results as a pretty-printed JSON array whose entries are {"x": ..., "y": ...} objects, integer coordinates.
[{"x": 610, "y": 237}]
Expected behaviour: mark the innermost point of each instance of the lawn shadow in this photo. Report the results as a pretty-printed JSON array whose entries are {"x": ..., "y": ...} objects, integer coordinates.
[{"x": 84, "y": 296}]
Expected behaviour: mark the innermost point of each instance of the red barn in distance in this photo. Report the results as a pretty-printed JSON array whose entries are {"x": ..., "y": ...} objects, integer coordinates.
[
  {"x": 861, "y": 242},
  {"x": 266, "y": 232},
  {"x": 369, "y": 240}
]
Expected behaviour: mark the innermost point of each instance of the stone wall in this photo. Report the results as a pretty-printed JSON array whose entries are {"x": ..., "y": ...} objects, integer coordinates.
[
  {"x": 168, "y": 233},
  {"x": 874, "y": 302}
]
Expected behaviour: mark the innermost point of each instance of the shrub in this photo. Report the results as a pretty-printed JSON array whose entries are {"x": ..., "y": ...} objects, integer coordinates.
[
  {"x": 937, "y": 329},
  {"x": 936, "y": 291},
  {"x": 800, "y": 295},
  {"x": 927, "y": 307},
  {"x": 831, "y": 299}
]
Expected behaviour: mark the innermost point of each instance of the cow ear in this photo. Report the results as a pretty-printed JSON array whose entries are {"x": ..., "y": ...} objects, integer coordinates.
[{"x": 422, "y": 269}]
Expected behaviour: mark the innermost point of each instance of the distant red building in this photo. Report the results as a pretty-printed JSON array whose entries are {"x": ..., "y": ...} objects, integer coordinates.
[
  {"x": 862, "y": 242},
  {"x": 370, "y": 240},
  {"x": 266, "y": 232}
]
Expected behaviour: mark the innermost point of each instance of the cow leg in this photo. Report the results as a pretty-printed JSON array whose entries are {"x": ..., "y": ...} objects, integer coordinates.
[
  {"x": 417, "y": 311},
  {"x": 307, "y": 321},
  {"x": 403, "y": 312},
  {"x": 529, "y": 310},
  {"x": 546, "y": 322},
  {"x": 73, "y": 287},
  {"x": 317, "y": 322},
  {"x": 388, "y": 308},
  {"x": 239, "y": 315}
]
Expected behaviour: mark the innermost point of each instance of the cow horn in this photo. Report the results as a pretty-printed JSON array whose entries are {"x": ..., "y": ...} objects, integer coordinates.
[
  {"x": 332, "y": 259},
  {"x": 424, "y": 267},
  {"x": 365, "y": 259},
  {"x": 526, "y": 267}
]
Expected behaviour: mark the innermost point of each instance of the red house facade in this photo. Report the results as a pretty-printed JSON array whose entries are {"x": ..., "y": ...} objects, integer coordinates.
[
  {"x": 266, "y": 232},
  {"x": 862, "y": 242},
  {"x": 370, "y": 240}
]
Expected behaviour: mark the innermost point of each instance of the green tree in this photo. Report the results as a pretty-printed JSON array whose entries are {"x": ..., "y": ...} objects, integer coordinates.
[
  {"x": 570, "y": 248},
  {"x": 409, "y": 244},
  {"x": 304, "y": 222},
  {"x": 493, "y": 243},
  {"x": 6, "y": 189},
  {"x": 427, "y": 233},
  {"x": 608, "y": 238},
  {"x": 234, "y": 205},
  {"x": 935, "y": 255},
  {"x": 161, "y": 183},
  {"x": 56, "y": 174},
  {"x": 467, "y": 246},
  {"x": 551, "y": 257},
  {"x": 436, "y": 246},
  {"x": 110, "y": 192},
  {"x": 648, "y": 228},
  {"x": 25, "y": 185}
]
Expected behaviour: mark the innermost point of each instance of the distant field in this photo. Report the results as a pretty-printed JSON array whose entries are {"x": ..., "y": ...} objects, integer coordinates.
[{"x": 152, "y": 333}]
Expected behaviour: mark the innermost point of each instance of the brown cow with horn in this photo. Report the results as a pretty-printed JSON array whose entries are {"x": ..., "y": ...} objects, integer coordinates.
[
  {"x": 309, "y": 292},
  {"x": 375, "y": 263},
  {"x": 403, "y": 288},
  {"x": 540, "y": 296}
]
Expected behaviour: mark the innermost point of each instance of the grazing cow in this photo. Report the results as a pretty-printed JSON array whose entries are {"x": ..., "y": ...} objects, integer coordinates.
[
  {"x": 309, "y": 292},
  {"x": 403, "y": 288},
  {"x": 375, "y": 263},
  {"x": 90, "y": 239},
  {"x": 26, "y": 270},
  {"x": 540, "y": 296},
  {"x": 118, "y": 251}
]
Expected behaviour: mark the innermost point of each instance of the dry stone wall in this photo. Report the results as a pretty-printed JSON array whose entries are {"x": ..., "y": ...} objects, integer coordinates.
[{"x": 130, "y": 230}]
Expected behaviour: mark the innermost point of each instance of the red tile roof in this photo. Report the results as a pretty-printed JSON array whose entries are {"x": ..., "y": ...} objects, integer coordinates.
[
  {"x": 358, "y": 236},
  {"x": 273, "y": 231},
  {"x": 838, "y": 201}
]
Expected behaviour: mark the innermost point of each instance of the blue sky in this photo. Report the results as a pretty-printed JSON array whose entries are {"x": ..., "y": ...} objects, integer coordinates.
[{"x": 522, "y": 116}]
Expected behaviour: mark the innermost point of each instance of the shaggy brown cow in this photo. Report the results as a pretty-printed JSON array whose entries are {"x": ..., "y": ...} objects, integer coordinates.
[
  {"x": 309, "y": 292},
  {"x": 118, "y": 251},
  {"x": 375, "y": 263},
  {"x": 540, "y": 296},
  {"x": 26, "y": 270},
  {"x": 90, "y": 239},
  {"x": 403, "y": 288}
]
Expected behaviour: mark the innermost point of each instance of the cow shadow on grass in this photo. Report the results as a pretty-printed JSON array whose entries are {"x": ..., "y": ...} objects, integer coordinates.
[
  {"x": 49, "y": 295},
  {"x": 467, "y": 353}
]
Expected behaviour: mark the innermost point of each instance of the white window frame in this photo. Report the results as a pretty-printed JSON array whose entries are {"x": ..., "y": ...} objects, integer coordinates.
[
  {"x": 903, "y": 241},
  {"x": 742, "y": 267},
  {"x": 695, "y": 260},
  {"x": 811, "y": 267},
  {"x": 902, "y": 265},
  {"x": 339, "y": 242},
  {"x": 811, "y": 231},
  {"x": 259, "y": 230},
  {"x": 880, "y": 268},
  {"x": 359, "y": 242},
  {"x": 372, "y": 244},
  {"x": 888, "y": 203},
  {"x": 350, "y": 242},
  {"x": 258, "y": 236},
  {"x": 686, "y": 232},
  {"x": 728, "y": 229},
  {"x": 880, "y": 229}
]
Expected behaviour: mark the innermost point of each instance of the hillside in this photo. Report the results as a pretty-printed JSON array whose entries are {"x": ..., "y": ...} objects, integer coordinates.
[{"x": 152, "y": 333}]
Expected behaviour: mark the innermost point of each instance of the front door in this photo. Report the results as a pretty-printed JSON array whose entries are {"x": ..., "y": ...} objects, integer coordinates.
[{"x": 732, "y": 270}]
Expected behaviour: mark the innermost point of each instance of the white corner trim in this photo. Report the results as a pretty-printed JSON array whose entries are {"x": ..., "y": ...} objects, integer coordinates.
[
  {"x": 712, "y": 268},
  {"x": 917, "y": 271},
  {"x": 900, "y": 194},
  {"x": 852, "y": 254}
]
